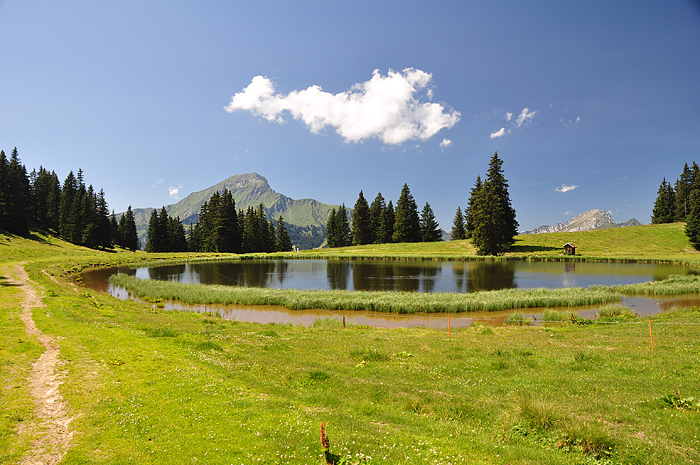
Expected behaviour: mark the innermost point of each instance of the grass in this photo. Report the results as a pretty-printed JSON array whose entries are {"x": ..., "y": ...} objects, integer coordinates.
[{"x": 153, "y": 386}]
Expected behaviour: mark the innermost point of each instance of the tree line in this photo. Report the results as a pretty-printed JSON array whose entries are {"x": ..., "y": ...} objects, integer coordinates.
[
  {"x": 380, "y": 223},
  {"x": 219, "y": 228},
  {"x": 75, "y": 212},
  {"x": 489, "y": 218},
  {"x": 680, "y": 202}
]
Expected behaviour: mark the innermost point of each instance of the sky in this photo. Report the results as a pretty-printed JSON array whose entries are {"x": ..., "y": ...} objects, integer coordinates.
[{"x": 588, "y": 104}]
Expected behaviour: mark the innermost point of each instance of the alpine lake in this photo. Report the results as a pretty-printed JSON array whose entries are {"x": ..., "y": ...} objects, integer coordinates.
[{"x": 431, "y": 276}]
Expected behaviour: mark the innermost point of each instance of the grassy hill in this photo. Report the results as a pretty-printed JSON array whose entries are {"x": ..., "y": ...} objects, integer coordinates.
[
  {"x": 250, "y": 190},
  {"x": 145, "y": 385}
]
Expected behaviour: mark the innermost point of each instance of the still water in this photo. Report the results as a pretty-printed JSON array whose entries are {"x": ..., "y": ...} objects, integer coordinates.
[
  {"x": 394, "y": 275},
  {"x": 402, "y": 275}
]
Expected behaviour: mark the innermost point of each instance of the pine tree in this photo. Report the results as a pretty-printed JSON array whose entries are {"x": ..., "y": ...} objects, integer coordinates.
[
  {"x": 176, "y": 233},
  {"x": 692, "y": 224},
  {"x": 388, "y": 220},
  {"x": 458, "y": 230},
  {"x": 284, "y": 243},
  {"x": 3, "y": 189},
  {"x": 376, "y": 219},
  {"x": 68, "y": 193},
  {"x": 406, "y": 222},
  {"x": 665, "y": 204},
  {"x": 152, "y": 235},
  {"x": 17, "y": 196},
  {"x": 361, "y": 225},
  {"x": 682, "y": 191},
  {"x": 468, "y": 216},
  {"x": 331, "y": 230},
  {"x": 127, "y": 231},
  {"x": 429, "y": 227},
  {"x": 343, "y": 227},
  {"x": 495, "y": 226},
  {"x": 250, "y": 232},
  {"x": 228, "y": 236}
]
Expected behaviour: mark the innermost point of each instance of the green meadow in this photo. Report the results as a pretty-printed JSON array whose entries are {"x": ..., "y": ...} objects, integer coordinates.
[{"x": 145, "y": 385}]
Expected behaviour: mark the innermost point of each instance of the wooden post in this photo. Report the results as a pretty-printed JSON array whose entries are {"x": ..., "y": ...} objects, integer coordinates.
[
  {"x": 651, "y": 335},
  {"x": 343, "y": 321}
]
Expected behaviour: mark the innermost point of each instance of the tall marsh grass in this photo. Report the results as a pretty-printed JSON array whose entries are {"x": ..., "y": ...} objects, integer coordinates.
[{"x": 392, "y": 302}]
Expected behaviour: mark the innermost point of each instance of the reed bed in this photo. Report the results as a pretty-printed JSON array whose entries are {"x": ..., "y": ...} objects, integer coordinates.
[
  {"x": 392, "y": 302},
  {"x": 673, "y": 285}
]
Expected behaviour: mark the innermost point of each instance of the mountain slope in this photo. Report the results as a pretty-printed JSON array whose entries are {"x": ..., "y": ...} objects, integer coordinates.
[
  {"x": 250, "y": 190},
  {"x": 586, "y": 221}
]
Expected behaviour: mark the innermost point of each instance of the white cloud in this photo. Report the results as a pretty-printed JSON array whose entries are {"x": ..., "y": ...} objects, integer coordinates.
[
  {"x": 174, "y": 191},
  {"x": 524, "y": 117},
  {"x": 385, "y": 107},
  {"x": 565, "y": 188},
  {"x": 509, "y": 116},
  {"x": 160, "y": 181},
  {"x": 499, "y": 133},
  {"x": 445, "y": 143}
]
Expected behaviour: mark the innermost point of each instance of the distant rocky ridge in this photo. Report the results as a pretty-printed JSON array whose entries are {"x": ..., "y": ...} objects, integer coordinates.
[
  {"x": 305, "y": 218},
  {"x": 586, "y": 221}
]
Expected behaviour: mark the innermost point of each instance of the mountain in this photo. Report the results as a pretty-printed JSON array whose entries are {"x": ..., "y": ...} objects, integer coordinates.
[
  {"x": 591, "y": 219},
  {"x": 306, "y": 218}
]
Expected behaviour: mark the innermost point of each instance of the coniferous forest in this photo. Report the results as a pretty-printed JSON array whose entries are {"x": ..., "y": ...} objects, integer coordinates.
[
  {"x": 72, "y": 210},
  {"x": 681, "y": 202}
]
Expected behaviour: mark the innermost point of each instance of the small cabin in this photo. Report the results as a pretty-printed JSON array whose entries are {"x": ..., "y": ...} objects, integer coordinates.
[{"x": 569, "y": 249}]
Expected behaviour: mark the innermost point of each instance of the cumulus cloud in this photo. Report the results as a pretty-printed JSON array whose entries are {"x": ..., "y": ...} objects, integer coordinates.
[
  {"x": 565, "y": 188},
  {"x": 525, "y": 116},
  {"x": 509, "y": 116},
  {"x": 445, "y": 143},
  {"x": 385, "y": 107},
  {"x": 174, "y": 191}
]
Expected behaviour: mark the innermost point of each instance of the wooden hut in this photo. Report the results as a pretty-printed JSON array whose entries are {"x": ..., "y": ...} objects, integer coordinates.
[{"x": 569, "y": 249}]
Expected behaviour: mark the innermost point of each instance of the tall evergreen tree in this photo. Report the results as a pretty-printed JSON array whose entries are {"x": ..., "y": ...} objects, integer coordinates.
[
  {"x": 495, "y": 226},
  {"x": 176, "y": 234},
  {"x": 17, "y": 196},
  {"x": 127, "y": 230},
  {"x": 458, "y": 230},
  {"x": 376, "y": 219},
  {"x": 692, "y": 223},
  {"x": 429, "y": 227},
  {"x": 665, "y": 204},
  {"x": 343, "y": 227},
  {"x": 3, "y": 189},
  {"x": 388, "y": 220},
  {"x": 406, "y": 222},
  {"x": 331, "y": 230},
  {"x": 361, "y": 225},
  {"x": 284, "y": 243},
  {"x": 468, "y": 216},
  {"x": 251, "y": 238},
  {"x": 682, "y": 191},
  {"x": 228, "y": 237}
]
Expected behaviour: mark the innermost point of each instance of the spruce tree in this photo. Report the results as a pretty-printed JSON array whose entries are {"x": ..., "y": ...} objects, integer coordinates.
[
  {"x": 3, "y": 189},
  {"x": 692, "y": 223},
  {"x": 127, "y": 231},
  {"x": 228, "y": 235},
  {"x": 665, "y": 204},
  {"x": 361, "y": 225},
  {"x": 429, "y": 227},
  {"x": 458, "y": 230},
  {"x": 284, "y": 243},
  {"x": 152, "y": 235},
  {"x": 406, "y": 222},
  {"x": 331, "y": 230},
  {"x": 389, "y": 220},
  {"x": 495, "y": 226},
  {"x": 376, "y": 219},
  {"x": 17, "y": 196},
  {"x": 468, "y": 216},
  {"x": 343, "y": 227}
]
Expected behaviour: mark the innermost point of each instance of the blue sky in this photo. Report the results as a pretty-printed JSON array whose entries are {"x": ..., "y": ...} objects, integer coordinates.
[{"x": 589, "y": 104}]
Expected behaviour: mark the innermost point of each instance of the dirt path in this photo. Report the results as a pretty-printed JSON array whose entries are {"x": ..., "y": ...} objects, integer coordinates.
[{"x": 51, "y": 426}]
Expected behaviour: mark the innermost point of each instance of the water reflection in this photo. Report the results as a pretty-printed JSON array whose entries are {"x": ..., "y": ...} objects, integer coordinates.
[{"x": 406, "y": 275}]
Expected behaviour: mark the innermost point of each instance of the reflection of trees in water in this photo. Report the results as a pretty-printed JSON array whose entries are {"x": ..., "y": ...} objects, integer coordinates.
[
  {"x": 459, "y": 271},
  {"x": 369, "y": 275},
  {"x": 428, "y": 274},
  {"x": 406, "y": 276},
  {"x": 243, "y": 273},
  {"x": 338, "y": 274},
  {"x": 165, "y": 273},
  {"x": 490, "y": 276}
]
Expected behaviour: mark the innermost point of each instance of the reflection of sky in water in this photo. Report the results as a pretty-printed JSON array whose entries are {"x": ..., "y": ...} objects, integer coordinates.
[{"x": 392, "y": 275}]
